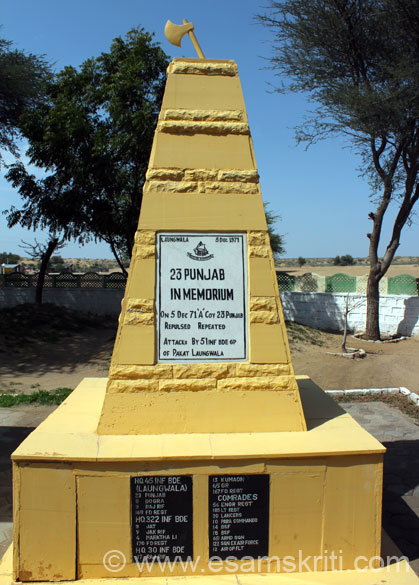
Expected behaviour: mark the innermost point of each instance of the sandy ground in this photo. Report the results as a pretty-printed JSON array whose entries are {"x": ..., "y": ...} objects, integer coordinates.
[
  {"x": 387, "y": 365},
  {"x": 395, "y": 270},
  {"x": 51, "y": 360}
]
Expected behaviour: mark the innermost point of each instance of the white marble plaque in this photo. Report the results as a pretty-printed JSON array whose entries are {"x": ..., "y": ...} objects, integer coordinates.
[{"x": 201, "y": 297}]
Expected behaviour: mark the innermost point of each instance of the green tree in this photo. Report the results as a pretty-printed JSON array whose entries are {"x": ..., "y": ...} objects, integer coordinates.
[
  {"x": 358, "y": 61},
  {"x": 345, "y": 260},
  {"x": 21, "y": 86},
  {"x": 276, "y": 240},
  {"x": 301, "y": 261},
  {"x": 93, "y": 135},
  {"x": 9, "y": 258}
]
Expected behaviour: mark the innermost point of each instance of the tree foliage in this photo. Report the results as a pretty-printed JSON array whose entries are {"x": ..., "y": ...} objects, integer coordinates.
[
  {"x": 9, "y": 258},
  {"x": 276, "y": 240},
  {"x": 93, "y": 137},
  {"x": 358, "y": 61},
  {"x": 22, "y": 77},
  {"x": 345, "y": 260}
]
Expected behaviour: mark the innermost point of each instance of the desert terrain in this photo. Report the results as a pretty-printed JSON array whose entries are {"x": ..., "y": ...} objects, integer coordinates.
[{"x": 47, "y": 348}]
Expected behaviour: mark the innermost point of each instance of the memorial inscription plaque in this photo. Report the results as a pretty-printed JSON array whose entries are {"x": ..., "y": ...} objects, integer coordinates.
[
  {"x": 201, "y": 297},
  {"x": 238, "y": 516},
  {"x": 161, "y": 517}
]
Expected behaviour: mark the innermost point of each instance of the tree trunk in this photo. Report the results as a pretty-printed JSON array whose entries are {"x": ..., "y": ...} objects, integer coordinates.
[
  {"x": 43, "y": 268},
  {"x": 372, "y": 330}
]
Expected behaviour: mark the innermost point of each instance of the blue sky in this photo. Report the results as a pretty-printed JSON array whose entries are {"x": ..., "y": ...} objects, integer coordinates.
[{"x": 322, "y": 200}]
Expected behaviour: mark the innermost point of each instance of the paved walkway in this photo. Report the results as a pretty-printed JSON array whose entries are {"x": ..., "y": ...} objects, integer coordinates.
[
  {"x": 401, "y": 467},
  {"x": 400, "y": 435}
]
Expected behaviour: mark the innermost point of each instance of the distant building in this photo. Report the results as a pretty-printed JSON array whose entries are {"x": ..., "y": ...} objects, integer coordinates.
[{"x": 9, "y": 268}]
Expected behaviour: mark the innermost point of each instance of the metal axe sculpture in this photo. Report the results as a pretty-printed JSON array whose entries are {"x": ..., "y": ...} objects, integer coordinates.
[{"x": 175, "y": 32}]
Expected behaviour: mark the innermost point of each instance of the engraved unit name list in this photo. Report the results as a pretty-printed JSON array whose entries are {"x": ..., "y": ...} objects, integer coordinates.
[
  {"x": 161, "y": 517},
  {"x": 202, "y": 297},
  {"x": 239, "y": 516}
]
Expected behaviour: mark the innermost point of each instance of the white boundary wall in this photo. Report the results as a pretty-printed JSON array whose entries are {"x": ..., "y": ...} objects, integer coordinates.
[
  {"x": 100, "y": 301},
  {"x": 398, "y": 313}
]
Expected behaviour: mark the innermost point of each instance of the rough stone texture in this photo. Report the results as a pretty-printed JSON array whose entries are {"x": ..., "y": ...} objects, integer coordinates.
[
  {"x": 118, "y": 386},
  {"x": 256, "y": 238},
  {"x": 258, "y": 251},
  {"x": 236, "y": 175},
  {"x": 227, "y": 187},
  {"x": 201, "y": 187},
  {"x": 138, "y": 318},
  {"x": 203, "y": 67},
  {"x": 172, "y": 186},
  {"x": 133, "y": 372},
  {"x": 249, "y": 370},
  {"x": 165, "y": 175},
  {"x": 255, "y": 383},
  {"x": 145, "y": 237},
  {"x": 200, "y": 175},
  {"x": 263, "y": 304},
  {"x": 139, "y": 312},
  {"x": 197, "y": 127},
  {"x": 204, "y": 371},
  {"x": 187, "y": 384},
  {"x": 144, "y": 251},
  {"x": 267, "y": 317},
  {"x": 203, "y": 115}
]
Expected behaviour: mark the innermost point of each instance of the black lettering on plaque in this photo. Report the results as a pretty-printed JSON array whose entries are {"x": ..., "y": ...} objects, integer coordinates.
[
  {"x": 238, "y": 516},
  {"x": 161, "y": 518}
]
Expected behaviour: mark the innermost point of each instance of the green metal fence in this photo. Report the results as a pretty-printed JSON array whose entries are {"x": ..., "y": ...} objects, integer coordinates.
[
  {"x": 403, "y": 284},
  {"x": 65, "y": 280}
]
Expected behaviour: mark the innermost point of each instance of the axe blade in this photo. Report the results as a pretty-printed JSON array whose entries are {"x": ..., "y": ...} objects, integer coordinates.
[{"x": 175, "y": 32}]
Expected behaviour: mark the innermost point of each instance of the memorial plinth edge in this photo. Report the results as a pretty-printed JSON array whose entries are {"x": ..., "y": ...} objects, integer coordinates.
[{"x": 69, "y": 434}]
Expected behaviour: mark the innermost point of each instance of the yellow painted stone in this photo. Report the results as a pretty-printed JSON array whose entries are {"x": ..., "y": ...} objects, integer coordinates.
[
  {"x": 143, "y": 287},
  {"x": 263, "y": 304},
  {"x": 202, "y": 176},
  {"x": 118, "y": 372},
  {"x": 185, "y": 384},
  {"x": 236, "y": 175},
  {"x": 145, "y": 237},
  {"x": 266, "y": 346},
  {"x": 207, "y": 212},
  {"x": 202, "y": 127},
  {"x": 257, "y": 238},
  {"x": 137, "y": 385},
  {"x": 202, "y": 67},
  {"x": 259, "y": 251},
  {"x": 46, "y": 524},
  {"x": 262, "y": 369},
  {"x": 144, "y": 251},
  {"x": 268, "y": 383},
  {"x": 262, "y": 278},
  {"x": 135, "y": 345},
  {"x": 230, "y": 187},
  {"x": 165, "y": 174},
  {"x": 193, "y": 93},
  {"x": 202, "y": 151},
  {"x": 215, "y": 371},
  {"x": 203, "y": 115},
  {"x": 267, "y": 317}
]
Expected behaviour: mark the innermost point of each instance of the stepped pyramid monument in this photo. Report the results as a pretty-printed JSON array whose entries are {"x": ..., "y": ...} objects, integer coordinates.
[
  {"x": 202, "y": 448},
  {"x": 201, "y": 344}
]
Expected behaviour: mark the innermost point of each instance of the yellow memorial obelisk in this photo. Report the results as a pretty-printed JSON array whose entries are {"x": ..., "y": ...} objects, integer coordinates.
[
  {"x": 186, "y": 357},
  {"x": 201, "y": 446}
]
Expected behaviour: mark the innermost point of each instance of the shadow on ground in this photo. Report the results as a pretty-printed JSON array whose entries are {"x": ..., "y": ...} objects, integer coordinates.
[{"x": 401, "y": 496}]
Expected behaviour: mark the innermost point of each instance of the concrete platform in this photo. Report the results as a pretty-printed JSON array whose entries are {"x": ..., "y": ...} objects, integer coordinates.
[{"x": 395, "y": 574}]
